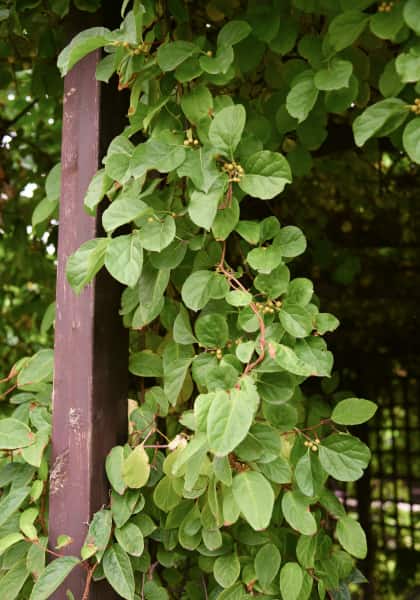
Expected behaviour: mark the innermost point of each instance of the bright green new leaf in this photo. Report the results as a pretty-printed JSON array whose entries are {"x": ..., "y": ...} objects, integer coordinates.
[
  {"x": 83, "y": 265},
  {"x": 113, "y": 466},
  {"x": 345, "y": 28},
  {"x": 255, "y": 498},
  {"x": 26, "y": 522},
  {"x": 353, "y": 411},
  {"x": 335, "y": 76},
  {"x": 226, "y": 569},
  {"x": 53, "y": 576},
  {"x": 379, "y": 119},
  {"x": 119, "y": 572},
  {"x": 411, "y": 140},
  {"x": 124, "y": 258},
  {"x": 266, "y": 175},
  {"x": 14, "y": 434},
  {"x": 136, "y": 468},
  {"x": 233, "y": 32},
  {"x": 343, "y": 456},
  {"x": 82, "y": 44},
  {"x": 291, "y": 580},
  {"x": 238, "y": 298},
  {"x": 290, "y": 241},
  {"x": 352, "y": 537},
  {"x": 411, "y": 13},
  {"x": 296, "y": 511},
  {"x": 302, "y": 97},
  {"x": 226, "y": 129}
]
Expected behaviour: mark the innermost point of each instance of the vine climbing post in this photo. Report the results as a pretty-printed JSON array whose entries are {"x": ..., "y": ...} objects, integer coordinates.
[{"x": 91, "y": 345}]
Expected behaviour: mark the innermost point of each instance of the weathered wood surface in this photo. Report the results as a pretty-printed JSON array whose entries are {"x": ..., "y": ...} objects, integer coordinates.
[{"x": 91, "y": 346}]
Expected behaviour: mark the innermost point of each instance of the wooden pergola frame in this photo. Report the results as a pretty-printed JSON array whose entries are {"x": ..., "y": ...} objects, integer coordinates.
[{"x": 91, "y": 345}]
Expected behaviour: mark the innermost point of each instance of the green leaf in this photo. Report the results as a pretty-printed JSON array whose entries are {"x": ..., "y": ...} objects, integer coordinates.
[
  {"x": 197, "y": 104},
  {"x": 309, "y": 474},
  {"x": 411, "y": 13},
  {"x": 233, "y": 32},
  {"x": 14, "y": 579},
  {"x": 99, "y": 185},
  {"x": 84, "y": 264},
  {"x": 202, "y": 207},
  {"x": 226, "y": 569},
  {"x": 352, "y": 537},
  {"x": 124, "y": 258},
  {"x": 296, "y": 511},
  {"x": 238, "y": 298},
  {"x": 113, "y": 466},
  {"x": 14, "y": 434},
  {"x": 182, "y": 331},
  {"x": 343, "y": 456},
  {"x": 35, "y": 559},
  {"x": 43, "y": 211},
  {"x": 288, "y": 360},
  {"x": 26, "y": 522},
  {"x": 201, "y": 286},
  {"x": 291, "y": 580},
  {"x": 171, "y": 55},
  {"x": 226, "y": 129},
  {"x": 290, "y": 241},
  {"x": 236, "y": 592},
  {"x": 266, "y": 175},
  {"x": 53, "y": 576},
  {"x": 353, "y": 411},
  {"x": 411, "y": 140},
  {"x": 130, "y": 538},
  {"x": 11, "y": 502},
  {"x": 81, "y": 45},
  {"x": 265, "y": 260},
  {"x": 275, "y": 283},
  {"x": 98, "y": 536},
  {"x": 276, "y": 388},
  {"x": 157, "y": 234},
  {"x": 136, "y": 468},
  {"x": 230, "y": 417},
  {"x": 127, "y": 207},
  {"x": 296, "y": 320},
  {"x": 335, "y": 76},
  {"x": 10, "y": 540},
  {"x": 146, "y": 364},
  {"x": 313, "y": 352},
  {"x": 345, "y": 28},
  {"x": 266, "y": 564},
  {"x": 211, "y": 330},
  {"x": 117, "y": 159},
  {"x": 37, "y": 370},
  {"x": 300, "y": 291},
  {"x": 119, "y": 572},
  {"x": 249, "y": 230},
  {"x": 255, "y": 498},
  {"x": 219, "y": 64},
  {"x": 302, "y": 96},
  {"x": 326, "y": 322},
  {"x": 379, "y": 119},
  {"x": 158, "y": 155},
  {"x": 407, "y": 65}
]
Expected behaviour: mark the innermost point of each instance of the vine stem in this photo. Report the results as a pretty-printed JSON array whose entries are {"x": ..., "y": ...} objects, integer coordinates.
[
  {"x": 237, "y": 285},
  {"x": 89, "y": 581}
]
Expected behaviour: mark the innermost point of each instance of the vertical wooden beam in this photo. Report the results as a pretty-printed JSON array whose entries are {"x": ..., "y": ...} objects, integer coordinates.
[{"x": 91, "y": 345}]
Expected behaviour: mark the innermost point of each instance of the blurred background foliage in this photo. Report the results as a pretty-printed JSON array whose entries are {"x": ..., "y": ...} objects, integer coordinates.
[{"x": 359, "y": 209}]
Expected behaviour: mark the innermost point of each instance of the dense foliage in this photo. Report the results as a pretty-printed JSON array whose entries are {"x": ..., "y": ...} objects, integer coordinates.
[{"x": 222, "y": 489}]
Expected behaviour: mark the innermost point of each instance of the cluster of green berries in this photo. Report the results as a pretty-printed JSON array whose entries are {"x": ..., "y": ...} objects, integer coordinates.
[
  {"x": 385, "y": 7},
  {"x": 415, "y": 108},
  {"x": 268, "y": 307},
  {"x": 234, "y": 171},
  {"x": 313, "y": 444},
  {"x": 218, "y": 351}
]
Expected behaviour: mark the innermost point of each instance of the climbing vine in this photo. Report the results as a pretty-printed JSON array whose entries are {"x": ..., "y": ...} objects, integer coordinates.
[{"x": 223, "y": 487}]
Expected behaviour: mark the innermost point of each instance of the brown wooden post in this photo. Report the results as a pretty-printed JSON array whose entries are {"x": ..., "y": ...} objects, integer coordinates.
[{"x": 91, "y": 345}]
